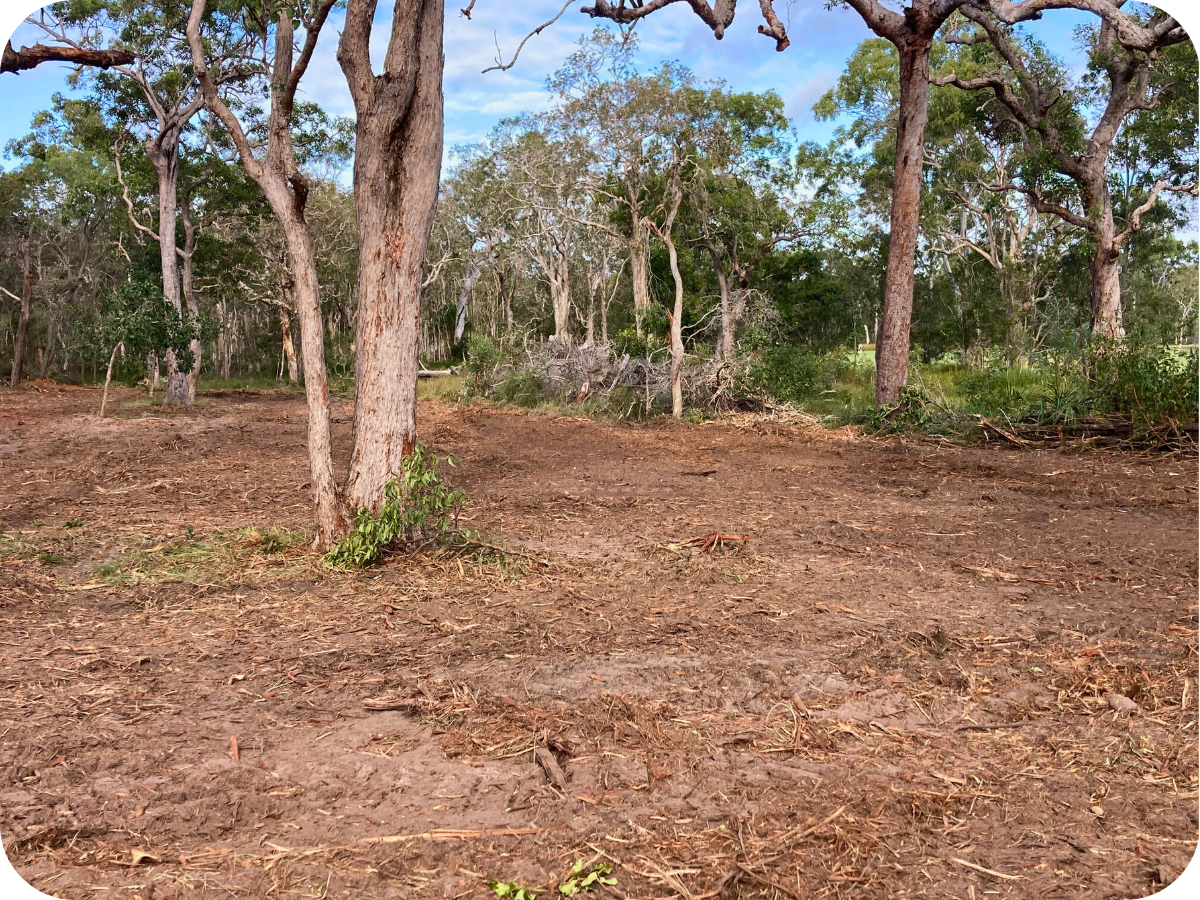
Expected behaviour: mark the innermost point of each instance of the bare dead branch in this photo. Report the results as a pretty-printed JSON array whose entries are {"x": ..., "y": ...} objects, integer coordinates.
[
  {"x": 31, "y": 57},
  {"x": 502, "y": 66}
]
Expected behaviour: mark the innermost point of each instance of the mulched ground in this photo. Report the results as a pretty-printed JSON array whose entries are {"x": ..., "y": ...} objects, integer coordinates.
[{"x": 928, "y": 670}]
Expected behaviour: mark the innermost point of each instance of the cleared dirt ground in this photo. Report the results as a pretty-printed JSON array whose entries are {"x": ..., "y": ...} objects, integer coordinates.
[{"x": 912, "y": 679}]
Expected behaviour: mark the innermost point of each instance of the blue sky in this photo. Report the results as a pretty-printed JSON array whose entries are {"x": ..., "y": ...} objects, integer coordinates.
[{"x": 822, "y": 41}]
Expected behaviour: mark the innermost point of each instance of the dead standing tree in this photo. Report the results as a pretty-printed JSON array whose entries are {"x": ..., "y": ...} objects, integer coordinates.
[
  {"x": 1034, "y": 107},
  {"x": 397, "y": 166},
  {"x": 273, "y": 168}
]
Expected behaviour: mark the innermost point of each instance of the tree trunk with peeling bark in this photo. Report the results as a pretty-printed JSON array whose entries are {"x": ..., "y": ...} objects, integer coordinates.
[
  {"x": 289, "y": 348},
  {"x": 559, "y": 276},
  {"x": 474, "y": 270},
  {"x": 164, "y": 157},
  {"x": 397, "y": 167},
  {"x": 638, "y": 246},
  {"x": 892, "y": 338},
  {"x": 1105, "y": 266}
]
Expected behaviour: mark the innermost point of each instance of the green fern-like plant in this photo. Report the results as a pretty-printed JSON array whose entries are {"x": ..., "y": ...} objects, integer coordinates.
[{"x": 417, "y": 508}]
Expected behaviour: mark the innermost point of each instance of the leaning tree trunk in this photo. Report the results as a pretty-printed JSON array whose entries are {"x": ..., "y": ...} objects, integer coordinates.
[
  {"x": 398, "y": 157},
  {"x": 474, "y": 270},
  {"x": 165, "y": 159},
  {"x": 331, "y": 521},
  {"x": 23, "y": 320},
  {"x": 676, "y": 332},
  {"x": 289, "y": 347},
  {"x": 892, "y": 337}
]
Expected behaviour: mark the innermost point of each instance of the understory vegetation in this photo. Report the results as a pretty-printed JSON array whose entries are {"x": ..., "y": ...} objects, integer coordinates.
[
  {"x": 1140, "y": 394},
  {"x": 652, "y": 244}
]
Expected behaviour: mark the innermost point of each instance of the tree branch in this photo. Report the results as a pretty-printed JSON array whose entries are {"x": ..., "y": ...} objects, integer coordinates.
[
  {"x": 31, "y": 57},
  {"x": 1135, "y": 217},
  {"x": 504, "y": 67},
  {"x": 1162, "y": 31},
  {"x": 774, "y": 28},
  {"x": 125, "y": 195},
  {"x": 1044, "y": 206}
]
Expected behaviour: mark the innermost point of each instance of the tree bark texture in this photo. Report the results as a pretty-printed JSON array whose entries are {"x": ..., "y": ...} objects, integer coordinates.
[
  {"x": 286, "y": 190},
  {"x": 474, "y": 270},
  {"x": 164, "y": 157},
  {"x": 30, "y": 57},
  {"x": 892, "y": 338},
  {"x": 639, "y": 270},
  {"x": 289, "y": 348},
  {"x": 331, "y": 519},
  {"x": 397, "y": 166},
  {"x": 676, "y": 315},
  {"x": 188, "y": 281},
  {"x": 27, "y": 278},
  {"x": 1105, "y": 267},
  {"x": 728, "y": 326},
  {"x": 559, "y": 275}
]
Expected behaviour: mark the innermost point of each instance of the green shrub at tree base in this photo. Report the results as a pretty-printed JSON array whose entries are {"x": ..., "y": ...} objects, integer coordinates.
[{"x": 418, "y": 508}]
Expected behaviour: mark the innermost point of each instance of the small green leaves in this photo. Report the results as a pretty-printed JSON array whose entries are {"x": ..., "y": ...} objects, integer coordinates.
[
  {"x": 416, "y": 508},
  {"x": 510, "y": 890},
  {"x": 582, "y": 879},
  {"x": 73, "y": 523}
]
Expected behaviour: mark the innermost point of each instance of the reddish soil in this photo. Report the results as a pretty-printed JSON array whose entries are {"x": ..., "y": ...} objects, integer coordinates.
[{"x": 929, "y": 670}]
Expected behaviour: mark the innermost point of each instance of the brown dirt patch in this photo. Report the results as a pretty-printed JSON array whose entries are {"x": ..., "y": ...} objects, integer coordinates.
[{"x": 904, "y": 678}]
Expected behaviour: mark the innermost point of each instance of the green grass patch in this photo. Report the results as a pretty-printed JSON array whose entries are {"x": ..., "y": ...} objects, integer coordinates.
[
  {"x": 245, "y": 556},
  {"x": 443, "y": 387}
]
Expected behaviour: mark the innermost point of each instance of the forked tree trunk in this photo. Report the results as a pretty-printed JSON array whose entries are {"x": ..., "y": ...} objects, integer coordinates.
[
  {"x": 27, "y": 277},
  {"x": 892, "y": 338},
  {"x": 397, "y": 164}
]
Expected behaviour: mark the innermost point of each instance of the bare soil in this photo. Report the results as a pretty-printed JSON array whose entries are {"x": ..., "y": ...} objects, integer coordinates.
[{"x": 929, "y": 670}]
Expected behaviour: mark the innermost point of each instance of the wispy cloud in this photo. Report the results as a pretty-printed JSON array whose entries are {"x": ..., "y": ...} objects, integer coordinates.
[{"x": 822, "y": 41}]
